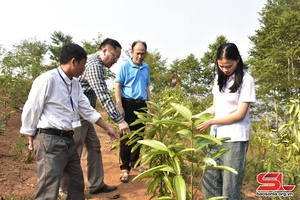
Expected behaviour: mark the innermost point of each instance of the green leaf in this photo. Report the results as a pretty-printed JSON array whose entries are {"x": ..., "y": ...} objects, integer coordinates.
[
  {"x": 269, "y": 165},
  {"x": 217, "y": 198},
  {"x": 152, "y": 170},
  {"x": 140, "y": 120},
  {"x": 282, "y": 128},
  {"x": 171, "y": 152},
  {"x": 114, "y": 146},
  {"x": 185, "y": 132},
  {"x": 135, "y": 147},
  {"x": 177, "y": 146},
  {"x": 176, "y": 165},
  {"x": 154, "y": 152},
  {"x": 296, "y": 112},
  {"x": 202, "y": 118},
  {"x": 168, "y": 112},
  {"x": 219, "y": 153},
  {"x": 199, "y": 144},
  {"x": 168, "y": 183},
  {"x": 154, "y": 144},
  {"x": 192, "y": 159},
  {"x": 224, "y": 139},
  {"x": 184, "y": 111},
  {"x": 295, "y": 146},
  {"x": 180, "y": 187},
  {"x": 146, "y": 160},
  {"x": 165, "y": 198},
  {"x": 136, "y": 132},
  {"x": 187, "y": 150},
  {"x": 141, "y": 114},
  {"x": 171, "y": 122},
  {"x": 209, "y": 137},
  {"x": 133, "y": 141},
  {"x": 291, "y": 108},
  {"x": 209, "y": 162},
  {"x": 152, "y": 187},
  {"x": 222, "y": 168},
  {"x": 124, "y": 137},
  {"x": 154, "y": 105}
]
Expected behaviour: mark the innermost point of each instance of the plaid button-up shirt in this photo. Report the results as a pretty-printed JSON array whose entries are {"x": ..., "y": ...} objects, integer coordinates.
[{"x": 94, "y": 86}]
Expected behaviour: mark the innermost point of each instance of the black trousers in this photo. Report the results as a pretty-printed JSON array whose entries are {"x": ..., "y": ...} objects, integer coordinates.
[{"x": 129, "y": 159}]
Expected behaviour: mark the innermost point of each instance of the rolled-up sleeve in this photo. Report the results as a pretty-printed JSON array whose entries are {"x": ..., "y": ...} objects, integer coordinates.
[{"x": 96, "y": 80}]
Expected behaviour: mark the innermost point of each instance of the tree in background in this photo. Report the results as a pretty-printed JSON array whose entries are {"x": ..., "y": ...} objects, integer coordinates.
[
  {"x": 186, "y": 74},
  {"x": 20, "y": 66},
  {"x": 191, "y": 79},
  {"x": 158, "y": 70},
  {"x": 25, "y": 58},
  {"x": 58, "y": 39},
  {"x": 2, "y": 51},
  {"x": 274, "y": 58},
  {"x": 208, "y": 66},
  {"x": 92, "y": 46}
]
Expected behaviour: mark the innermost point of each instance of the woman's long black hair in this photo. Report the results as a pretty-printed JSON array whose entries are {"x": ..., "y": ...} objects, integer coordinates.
[{"x": 230, "y": 51}]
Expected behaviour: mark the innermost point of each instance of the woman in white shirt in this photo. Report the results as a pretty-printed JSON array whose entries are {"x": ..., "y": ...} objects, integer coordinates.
[{"x": 233, "y": 91}]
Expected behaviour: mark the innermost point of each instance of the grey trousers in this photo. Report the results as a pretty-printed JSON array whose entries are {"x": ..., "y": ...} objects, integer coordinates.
[
  {"x": 56, "y": 155},
  {"x": 224, "y": 183},
  {"x": 86, "y": 135}
]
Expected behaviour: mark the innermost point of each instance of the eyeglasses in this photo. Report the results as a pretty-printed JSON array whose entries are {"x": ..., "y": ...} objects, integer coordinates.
[{"x": 115, "y": 57}]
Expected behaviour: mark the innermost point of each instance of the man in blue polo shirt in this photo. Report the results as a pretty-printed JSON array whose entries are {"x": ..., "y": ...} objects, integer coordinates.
[{"x": 132, "y": 91}]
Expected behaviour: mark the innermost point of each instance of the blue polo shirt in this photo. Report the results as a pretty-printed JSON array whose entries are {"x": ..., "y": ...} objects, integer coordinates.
[{"x": 134, "y": 79}]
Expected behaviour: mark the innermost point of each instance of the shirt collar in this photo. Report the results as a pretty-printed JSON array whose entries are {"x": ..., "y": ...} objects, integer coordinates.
[
  {"x": 133, "y": 65},
  {"x": 230, "y": 78},
  {"x": 99, "y": 57},
  {"x": 65, "y": 77}
]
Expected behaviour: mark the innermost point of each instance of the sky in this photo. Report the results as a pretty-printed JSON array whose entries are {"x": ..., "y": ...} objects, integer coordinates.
[{"x": 175, "y": 28}]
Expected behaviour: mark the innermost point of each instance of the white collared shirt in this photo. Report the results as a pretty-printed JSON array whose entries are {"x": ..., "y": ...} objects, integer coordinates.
[
  {"x": 226, "y": 103},
  {"x": 49, "y": 104}
]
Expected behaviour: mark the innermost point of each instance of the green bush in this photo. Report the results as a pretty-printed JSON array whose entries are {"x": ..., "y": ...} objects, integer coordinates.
[
  {"x": 171, "y": 143},
  {"x": 276, "y": 151}
]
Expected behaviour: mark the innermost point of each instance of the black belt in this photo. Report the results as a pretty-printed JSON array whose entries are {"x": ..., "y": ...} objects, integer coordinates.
[
  {"x": 53, "y": 131},
  {"x": 134, "y": 100}
]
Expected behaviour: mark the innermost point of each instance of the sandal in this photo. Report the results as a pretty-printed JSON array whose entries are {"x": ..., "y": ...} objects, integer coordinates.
[{"x": 124, "y": 176}]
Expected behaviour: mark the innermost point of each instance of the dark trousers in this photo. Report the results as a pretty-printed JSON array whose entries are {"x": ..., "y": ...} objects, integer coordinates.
[{"x": 129, "y": 159}]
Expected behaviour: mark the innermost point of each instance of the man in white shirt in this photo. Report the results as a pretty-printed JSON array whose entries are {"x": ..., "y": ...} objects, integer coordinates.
[{"x": 49, "y": 117}]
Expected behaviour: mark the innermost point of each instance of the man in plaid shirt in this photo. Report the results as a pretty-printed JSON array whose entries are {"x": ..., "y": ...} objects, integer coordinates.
[{"x": 94, "y": 86}]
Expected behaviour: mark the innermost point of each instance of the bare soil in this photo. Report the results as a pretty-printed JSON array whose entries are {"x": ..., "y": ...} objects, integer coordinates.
[{"x": 18, "y": 178}]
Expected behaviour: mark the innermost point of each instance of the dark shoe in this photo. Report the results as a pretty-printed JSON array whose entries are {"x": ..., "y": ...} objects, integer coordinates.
[{"x": 105, "y": 189}]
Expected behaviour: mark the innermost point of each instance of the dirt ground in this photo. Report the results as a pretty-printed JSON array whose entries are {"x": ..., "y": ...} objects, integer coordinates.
[{"x": 18, "y": 179}]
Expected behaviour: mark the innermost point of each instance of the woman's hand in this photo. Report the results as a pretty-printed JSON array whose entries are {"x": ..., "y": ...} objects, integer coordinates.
[{"x": 204, "y": 126}]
